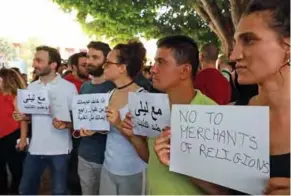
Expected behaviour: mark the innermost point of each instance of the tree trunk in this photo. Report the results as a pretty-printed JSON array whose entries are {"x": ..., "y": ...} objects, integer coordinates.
[
  {"x": 227, "y": 46},
  {"x": 222, "y": 25},
  {"x": 235, "y": 11}
]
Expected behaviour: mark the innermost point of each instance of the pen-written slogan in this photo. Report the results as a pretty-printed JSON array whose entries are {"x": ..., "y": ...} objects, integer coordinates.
[
  {"x": 33, "y": 102},
  {"x": 230, "y": 141},
  {"x": 151, "y": 113},
  {"x": 89, "y": 112}
]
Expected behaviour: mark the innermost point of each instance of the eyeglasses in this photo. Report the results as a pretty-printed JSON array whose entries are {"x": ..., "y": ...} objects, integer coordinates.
[{"x": 107, "y": 63}]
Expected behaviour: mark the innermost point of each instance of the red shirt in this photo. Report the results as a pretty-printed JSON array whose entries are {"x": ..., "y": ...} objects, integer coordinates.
[
  {"x": 71, "y": 78},
  {"x": 7, "y": 124},
  {"x": 214, "y": 85}
]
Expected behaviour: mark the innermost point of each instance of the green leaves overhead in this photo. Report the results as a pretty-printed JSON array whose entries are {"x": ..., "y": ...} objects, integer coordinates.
[{"x": 120, "y": 20}]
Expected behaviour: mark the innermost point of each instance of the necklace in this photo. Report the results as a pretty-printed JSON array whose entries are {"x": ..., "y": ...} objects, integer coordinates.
[{"x": 122, "y": 87}]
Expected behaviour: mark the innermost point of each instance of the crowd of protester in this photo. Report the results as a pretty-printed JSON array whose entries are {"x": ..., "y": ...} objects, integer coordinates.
[{"x": 257, "y": 73}]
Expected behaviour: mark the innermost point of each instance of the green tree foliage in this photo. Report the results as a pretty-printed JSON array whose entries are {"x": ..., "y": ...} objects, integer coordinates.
[
  {"x": 7, "y": 49},
  {"x": 119, "y": 20}
]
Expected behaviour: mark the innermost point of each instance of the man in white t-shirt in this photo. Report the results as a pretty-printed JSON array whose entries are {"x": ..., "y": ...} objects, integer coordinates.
[{"x": 51, "y": 142}]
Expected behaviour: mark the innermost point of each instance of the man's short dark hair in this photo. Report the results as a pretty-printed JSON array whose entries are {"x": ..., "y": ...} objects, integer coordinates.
[
  {"x": 54, "y": 55},
  {"x": 185, "y": 50},
  {"x": 100, "y": 46},
  {"x": 210, "y": 52},
  {"x": 74, "y": 59}
]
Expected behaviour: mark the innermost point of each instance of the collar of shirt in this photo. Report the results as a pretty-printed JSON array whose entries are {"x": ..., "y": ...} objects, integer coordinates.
[{"x": 54, "y": 81}]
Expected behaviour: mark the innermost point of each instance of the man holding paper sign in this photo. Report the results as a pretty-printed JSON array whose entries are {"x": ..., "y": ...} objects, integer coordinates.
[
  {"x": 176, "y": 63},
  {"x": 92, "y": 145},
  {"x": 51, "y": 143}
]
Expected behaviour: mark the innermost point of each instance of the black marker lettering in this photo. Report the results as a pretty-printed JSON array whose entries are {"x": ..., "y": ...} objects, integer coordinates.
[
  {"x": 243, "y": 137},
  {"x": 222, "y": 135},
  {"x": 266, "y": 165},
  {"x": 184, "y": 116},
  {"x": 218, "y": 118},
  {"x": 255, "y": 145},
  {"x": 215, "y": 134},
  {"x": 199, "y": 133},
  {"x": 210, "y": 116},
  {"x": 188, "y": 116},
  {"x": 183, "y": 130},
  {"x": 209, "y": 150},
  {"x": 231, "y": 137},
  {"x": 216, "y": 155},
  {"x": 252, "y": 163},
  {"x": 186, "y": 147},
  {"x": 205, "y": 133},
  {"x": 246, "y": 158},
  {"x": 192, "y": 116},
  {"x": 102, "y": 100},
  {"x": 191, "y": 133},
  {"x": 225, "y": 154},
  {"x": 237, "y": 158},
  {"x": 202, "y": 149}
]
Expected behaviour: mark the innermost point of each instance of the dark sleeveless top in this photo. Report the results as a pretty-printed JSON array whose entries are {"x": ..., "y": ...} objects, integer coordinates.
[{"x": 280, "y": 165}]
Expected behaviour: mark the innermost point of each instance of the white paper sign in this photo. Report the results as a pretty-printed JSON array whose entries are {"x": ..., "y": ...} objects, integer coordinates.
[
  {"x": 33, "y": 102},
  {"x": 225, "y": 145},
  {"x": 151, "y": 113},
  {"x": 89, "y": 112}
]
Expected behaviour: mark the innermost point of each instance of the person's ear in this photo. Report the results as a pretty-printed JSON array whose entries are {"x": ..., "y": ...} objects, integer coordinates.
[
  {"x": 54, "y": 65},
  {"x": 185, "y": 71},
  {"x": 74, "y": 67},
  {"x": 122, "y": 69}
]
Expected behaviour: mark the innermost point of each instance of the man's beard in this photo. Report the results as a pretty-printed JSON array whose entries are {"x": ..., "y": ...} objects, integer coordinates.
[
  {"x": 44, "y": 72},
  {"x": 81, "y": 75},
  {"x": 94, "y": 70}
]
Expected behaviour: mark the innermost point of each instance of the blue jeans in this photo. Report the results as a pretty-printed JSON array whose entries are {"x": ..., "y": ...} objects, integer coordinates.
[{"x": 34, "y": 167}]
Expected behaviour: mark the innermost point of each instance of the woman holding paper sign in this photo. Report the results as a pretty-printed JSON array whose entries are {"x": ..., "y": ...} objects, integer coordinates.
[
  {"x": 262, "y": 55},
  {"x": 10, "y": 81},
  {"x": 122, "y": 172}
]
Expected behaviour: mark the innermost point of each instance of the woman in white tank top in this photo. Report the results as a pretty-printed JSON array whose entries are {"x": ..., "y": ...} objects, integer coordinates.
[{"x": 122, "y": 172}]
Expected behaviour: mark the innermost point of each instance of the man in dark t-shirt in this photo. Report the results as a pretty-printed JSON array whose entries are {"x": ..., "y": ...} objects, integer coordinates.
[{"x": 91, "y": 148}]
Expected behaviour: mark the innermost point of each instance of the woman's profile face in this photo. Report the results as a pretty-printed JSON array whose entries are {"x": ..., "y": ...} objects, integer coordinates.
[
  {"x": 258, "y": 51},
  {"x": 111, "y": 66}
]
